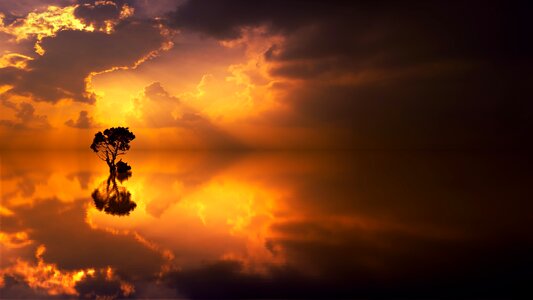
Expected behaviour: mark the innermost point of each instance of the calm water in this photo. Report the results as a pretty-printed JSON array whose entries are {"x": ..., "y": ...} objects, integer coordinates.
[{"x": 225, "y": 225}]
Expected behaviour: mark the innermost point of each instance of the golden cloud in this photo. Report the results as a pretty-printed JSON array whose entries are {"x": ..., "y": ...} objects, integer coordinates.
[
  {"x": 46, "y": 276},
  {"x": 15, "y": 60},
  {"x": 44, "y": 24}
]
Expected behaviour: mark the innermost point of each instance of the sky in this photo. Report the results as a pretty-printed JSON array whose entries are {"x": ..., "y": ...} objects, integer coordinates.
[{"x": 235, "y": 74}]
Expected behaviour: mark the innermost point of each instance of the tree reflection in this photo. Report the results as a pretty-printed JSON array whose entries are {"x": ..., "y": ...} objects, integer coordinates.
[
  {"x": 113, "y": 198},
  {"x": 123, "y": 176}
]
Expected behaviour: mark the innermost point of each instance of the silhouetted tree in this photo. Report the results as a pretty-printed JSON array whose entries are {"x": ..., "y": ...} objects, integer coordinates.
[
  {"x": 112, "y": 143},
  {"x": 112, "y": 198},
  {"x": 121, "y": 176}
]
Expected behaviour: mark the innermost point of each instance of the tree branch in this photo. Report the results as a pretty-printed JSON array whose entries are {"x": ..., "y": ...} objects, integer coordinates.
[{"x": 100, "y": 155}]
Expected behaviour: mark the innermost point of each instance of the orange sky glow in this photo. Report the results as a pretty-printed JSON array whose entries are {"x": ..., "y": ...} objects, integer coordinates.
[
  {"x": 200, "y": 75},
  {"x": 224, "y": 86}
]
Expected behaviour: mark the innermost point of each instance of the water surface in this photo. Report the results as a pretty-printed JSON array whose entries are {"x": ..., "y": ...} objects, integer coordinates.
[{"x": 276, "y": 224}]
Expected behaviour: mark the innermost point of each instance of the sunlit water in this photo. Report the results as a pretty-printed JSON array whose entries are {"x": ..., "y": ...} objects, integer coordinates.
[{"x": 299, "y": 224}]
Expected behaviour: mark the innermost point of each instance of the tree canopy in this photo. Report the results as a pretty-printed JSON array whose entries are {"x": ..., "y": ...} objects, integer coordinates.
[{"x": 111, "y": 143}]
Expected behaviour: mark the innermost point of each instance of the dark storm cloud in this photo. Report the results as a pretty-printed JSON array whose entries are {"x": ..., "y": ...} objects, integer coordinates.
[
  {"x": 97, "y": 13},
  {"x": 14, "y": 288},
  {"x": 423, "y": 73},
  {"x": 449, "y": 108},
  {"x": 99, "y": 287},
  {"x": 429, "y": 28},
  {"x": 9, "y": 75},
  {"x": 224, "y": 19},
  {"x": 72, "y": 55},
  {"x": 84, "y": 121},
  {"x": 151, "y": 9}
]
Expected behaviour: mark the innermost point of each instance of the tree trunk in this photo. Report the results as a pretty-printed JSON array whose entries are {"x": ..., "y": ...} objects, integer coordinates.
[{"x": 112, "y": 167}]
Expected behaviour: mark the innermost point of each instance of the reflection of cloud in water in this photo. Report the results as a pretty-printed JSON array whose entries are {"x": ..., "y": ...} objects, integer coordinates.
[
  {"x": 72, "y": 245},
  {"x": 305, "y": 225},
  {"x": 38, "y": 175},
  {"x": 84, "y": 178},
  {"x": 47, "y": 279}
]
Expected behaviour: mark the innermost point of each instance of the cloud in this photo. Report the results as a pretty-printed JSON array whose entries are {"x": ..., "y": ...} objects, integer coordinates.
[
  {"x": 388, "y": 74},
  {"x": 74, "y": 43},
  {"x": 103, "y": 14},
  {"x": 351, "y": 74},
  {"x": 83, "y": 177},
  {"x": 158, "y": 109},
  {"x": 363, "y": 27},
  {"x": 72, "y": 56},
  {"x": 418, "y": 110},
  {"x": 9, "y": 74},
  {"x": 23, "y": 7},
  {"x": 25, "y": 117},
  {"x": 84, "y": 240},
  {"x": 152, "y": 9},
  {"x": 40, "y": 24},
  {"x": 225, "y": 19},
  {"x": 15, "y": 60},
  {"x": 83, "y": 121}
]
